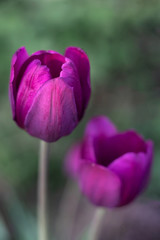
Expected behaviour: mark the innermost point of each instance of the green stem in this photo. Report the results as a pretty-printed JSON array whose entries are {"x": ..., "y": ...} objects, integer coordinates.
[
  {"x": 95, "y": 227},
  {"x": 42, "y": 191}
]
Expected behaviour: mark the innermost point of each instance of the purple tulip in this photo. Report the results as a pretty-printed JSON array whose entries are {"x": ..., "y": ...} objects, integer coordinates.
[
  {"x": 49, "y": 92},
  {"x": 112, "y": 167}
]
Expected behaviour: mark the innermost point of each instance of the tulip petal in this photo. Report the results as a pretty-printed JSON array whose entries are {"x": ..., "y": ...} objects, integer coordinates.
[
  {"x": 53, "y": 113},
  {"x": 80, "y": 59},
  {"x": 109, "y": 149},
  {"x": 41, "y": 52},
  {"x": 70, "y": 75},
  {"x": 17, "y": 61},
  {"x": 98, "y": 127},
  {"x": 51, "y": 59},
  {"x": 60, "y": 66},
  {"x": 130, "y": 168},
  {"x": 73, "y": 159},
  {"x": 34, "y": 77},
  {"x": 101, "y": 186}
]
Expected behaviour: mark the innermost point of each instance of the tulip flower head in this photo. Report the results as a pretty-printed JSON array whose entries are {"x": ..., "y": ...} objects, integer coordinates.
[
  {"x": 49, "y": 92},
  {"x": 112, "y": 167}
]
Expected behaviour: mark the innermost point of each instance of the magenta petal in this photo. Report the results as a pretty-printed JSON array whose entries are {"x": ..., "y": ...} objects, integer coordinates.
[
  {"x": 34, "y": 77},
  {"x": 80, "y": 59},
  {"x": 87, "y": 149},
  {"x": 130, "y": 168},
  {"x": 98, "y": 127},
  {"x": 51, "y": 59},
  {"x": 99, "y": 184},
  {"x": 109, "y": 149},
  {"x": 40, "y": 52},
  {"x": 70, "y": 75},
  {"x": 53, "y": 114},
  {"x": 73, "y": 159},
  {"x": 17, "y": 60}
]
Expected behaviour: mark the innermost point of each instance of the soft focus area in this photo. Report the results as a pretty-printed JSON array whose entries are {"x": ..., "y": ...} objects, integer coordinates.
[{"x": 122, "y": 40}]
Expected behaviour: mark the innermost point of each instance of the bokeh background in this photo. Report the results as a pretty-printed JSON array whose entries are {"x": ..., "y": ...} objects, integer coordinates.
[{"x": 122, "y": 40}]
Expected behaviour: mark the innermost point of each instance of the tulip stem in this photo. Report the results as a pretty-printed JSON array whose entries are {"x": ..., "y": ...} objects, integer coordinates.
[
  {"x": 42, "y": 191},
  {"x": 96, "y": 223}
]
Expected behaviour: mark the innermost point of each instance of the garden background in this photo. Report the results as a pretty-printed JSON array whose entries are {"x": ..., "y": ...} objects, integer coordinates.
[{"x": 122, "y": 40}]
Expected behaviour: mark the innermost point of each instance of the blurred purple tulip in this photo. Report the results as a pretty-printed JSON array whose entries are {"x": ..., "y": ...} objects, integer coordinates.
[
  {"x": 49, "y": 92},
  {"x": 112, "y": 167}
]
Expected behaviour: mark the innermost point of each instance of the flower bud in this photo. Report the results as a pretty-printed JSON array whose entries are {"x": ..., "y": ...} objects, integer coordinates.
[
  {"x": 112, "y": 167},
  {"x": 49, "y": 92}
]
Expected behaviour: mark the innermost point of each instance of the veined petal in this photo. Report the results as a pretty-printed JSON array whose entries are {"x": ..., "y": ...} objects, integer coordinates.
[
  {"x": 80, "y": 59},
  {"x": 53, "y": 113},
  {"x": 130, "y": 168},
  {"x": 70, "y": 75},
  {"x": 51, "y": 59},
  {"x": 34, "y": 77},
  {"x": 17, "y": 61},
  {"x": 101, "y": 186},
  {"x": 60, "y": 66}
]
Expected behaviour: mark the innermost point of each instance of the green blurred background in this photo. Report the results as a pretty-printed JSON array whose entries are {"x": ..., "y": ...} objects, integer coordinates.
[{"x": 122, "y": 40}]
